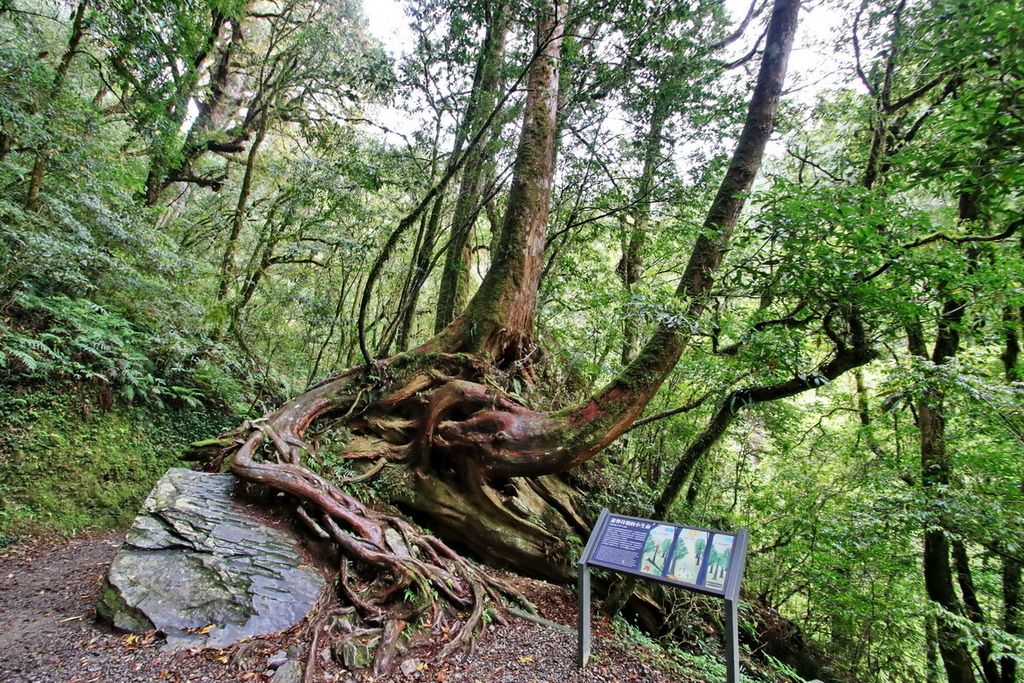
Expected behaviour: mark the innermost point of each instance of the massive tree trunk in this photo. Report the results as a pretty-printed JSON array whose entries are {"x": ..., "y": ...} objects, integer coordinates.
[
  {"x": 176, "y": 110},
  {"x": 211, "y": 130},
  {"x": 479, "y": 126},
  {"x": 498, "y": 321},
  {"x": 453, "y": 445}
]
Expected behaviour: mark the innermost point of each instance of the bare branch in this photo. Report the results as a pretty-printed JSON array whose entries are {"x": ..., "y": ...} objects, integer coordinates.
[
  {"x": 805, "y": 160},
  {"x": 943, "y": 237},
  {"x": 693, "y": 405},
  {"x": 914, "y": 96},
  {"x": 856, "y": 54},
  {"x": 752, "y": 12},
  {"x": 728, "y": 66}
]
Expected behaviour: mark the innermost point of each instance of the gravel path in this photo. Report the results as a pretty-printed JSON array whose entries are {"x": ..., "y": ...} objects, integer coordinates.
[{"x": 48, "y": 633}]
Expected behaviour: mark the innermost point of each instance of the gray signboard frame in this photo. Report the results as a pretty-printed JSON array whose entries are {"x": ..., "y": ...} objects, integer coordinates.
[{"x": 700, "y": 560}]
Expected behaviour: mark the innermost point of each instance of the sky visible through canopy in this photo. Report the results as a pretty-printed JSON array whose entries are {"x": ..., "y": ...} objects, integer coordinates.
[{"x": 814, "y": 64}]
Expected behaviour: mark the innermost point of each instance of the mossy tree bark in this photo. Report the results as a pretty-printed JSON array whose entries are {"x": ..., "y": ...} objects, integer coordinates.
[
  {"x": 1011, "y": 569},
  {"x": 35, "y": 181},
  {"x": 632, "y": 263},
  {"x": 944, "y": 553},
  {"x": 487, "y": 81},
  {"x": 161, "y": 169},
  {"x": 498, "y": 321}
]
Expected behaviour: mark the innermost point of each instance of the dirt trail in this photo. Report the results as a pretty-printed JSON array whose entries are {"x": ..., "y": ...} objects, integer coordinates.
[{"x": 48, "y": 634}]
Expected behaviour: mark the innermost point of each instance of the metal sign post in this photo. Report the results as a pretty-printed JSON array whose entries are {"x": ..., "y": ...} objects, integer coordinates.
[
  {"x": 583, "y": 593},
  {"x": 699, "y": 560}
]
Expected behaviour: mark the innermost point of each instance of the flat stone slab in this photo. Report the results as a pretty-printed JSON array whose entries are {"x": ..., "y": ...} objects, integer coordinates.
[{"x": 196, "y": 558}]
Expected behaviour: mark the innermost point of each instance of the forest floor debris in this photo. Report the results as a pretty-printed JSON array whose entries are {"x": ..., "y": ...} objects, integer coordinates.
[{"x": 49, "y": 634}]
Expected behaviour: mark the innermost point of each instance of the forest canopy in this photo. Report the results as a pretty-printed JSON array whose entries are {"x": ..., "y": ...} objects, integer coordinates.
[{"x": 617, "y": 254}]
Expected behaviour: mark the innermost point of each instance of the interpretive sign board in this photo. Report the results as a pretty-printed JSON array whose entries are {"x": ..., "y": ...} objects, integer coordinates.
[{"x": 700, "y": 560}]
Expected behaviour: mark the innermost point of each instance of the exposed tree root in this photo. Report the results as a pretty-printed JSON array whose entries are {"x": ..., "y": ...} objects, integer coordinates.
[
  {"x": 397, "y": 578},
  {"x": 445, "y": 440},
  {"x": 398, "y": 587}
]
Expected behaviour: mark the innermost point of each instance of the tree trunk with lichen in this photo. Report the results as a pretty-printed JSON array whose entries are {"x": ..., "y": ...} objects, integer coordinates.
[
  {"x": 487, "y": 82},
  {"x": 1011, "y": 567},
  {"x": 935, "y": 474},
  {"x": 35, "y": 182},
  {"x": 454, "y": 444}
]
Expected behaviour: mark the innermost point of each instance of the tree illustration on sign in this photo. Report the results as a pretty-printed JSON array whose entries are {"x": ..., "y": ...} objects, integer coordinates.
[
  {"x": 718, "y": 561},
  {"x": 678, "y": 558},
  {"x": 687, "y": 555},
  {"x": 657, "y": 549},
  {"x": 712, "y": 563},
  {"x": 650, "y": 563}
]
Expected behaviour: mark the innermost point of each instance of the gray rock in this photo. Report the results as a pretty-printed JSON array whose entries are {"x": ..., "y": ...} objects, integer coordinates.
[
  {"x": 409, "y": 667},
  {"x": 396, "y": 543},
  {"x": 344, "y": 624},
  {"x": 195, "y": 558},
  {"x": 354, "y": 655},
  {"x": 289, "y": 672}
]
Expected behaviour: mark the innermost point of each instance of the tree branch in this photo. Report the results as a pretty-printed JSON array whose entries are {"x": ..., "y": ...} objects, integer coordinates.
[
  {"x": 752, "y": 12},
  {"x": 693, "y": 405},
  {"x": 856, "y": 53},
  {"x": 728, "y": 66},
  {"x": 789, "y": 323},
  {"x": 943, "y": 237}
]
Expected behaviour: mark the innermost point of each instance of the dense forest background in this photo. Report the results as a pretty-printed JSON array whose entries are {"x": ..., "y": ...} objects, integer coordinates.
[{"x": 204, "y": 210}]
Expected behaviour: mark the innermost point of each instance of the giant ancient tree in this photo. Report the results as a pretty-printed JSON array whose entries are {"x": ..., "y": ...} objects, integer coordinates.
[
  {"x": 456, "y": 443},
  {"x": 892, "y": 216}
]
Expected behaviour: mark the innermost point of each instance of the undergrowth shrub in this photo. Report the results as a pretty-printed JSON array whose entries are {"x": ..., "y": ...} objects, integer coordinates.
[{"x": 65, "y": 339}]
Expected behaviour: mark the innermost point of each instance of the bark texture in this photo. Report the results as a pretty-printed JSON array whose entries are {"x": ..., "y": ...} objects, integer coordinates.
[
  {"x": 632, "y": 263},
  {"x": 1011, "y": 613},
  {"x": 1011, "y": 569},
  {"x": 35, "y": 181},
  {"x": 486, "y": 85},
  {"x": 965, "y": 577},
  {"x": 498, "y": 321}
]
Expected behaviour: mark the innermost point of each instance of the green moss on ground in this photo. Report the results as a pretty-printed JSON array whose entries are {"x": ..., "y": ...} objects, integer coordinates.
[{"x": 65, "y": 465}]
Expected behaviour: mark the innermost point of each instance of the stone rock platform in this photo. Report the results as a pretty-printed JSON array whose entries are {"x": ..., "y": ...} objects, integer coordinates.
[{"x": 199, "y": 566}]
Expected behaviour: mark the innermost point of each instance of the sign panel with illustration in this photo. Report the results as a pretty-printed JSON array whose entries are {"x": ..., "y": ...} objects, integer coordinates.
[{"x": 699, "y": 559}]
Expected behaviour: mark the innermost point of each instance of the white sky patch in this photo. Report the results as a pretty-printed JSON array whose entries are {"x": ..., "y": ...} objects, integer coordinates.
[
  {"x": 387, "y": 21},
  {"x": 813, "y": 65},
  {"x": 190, "y": 117}
]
